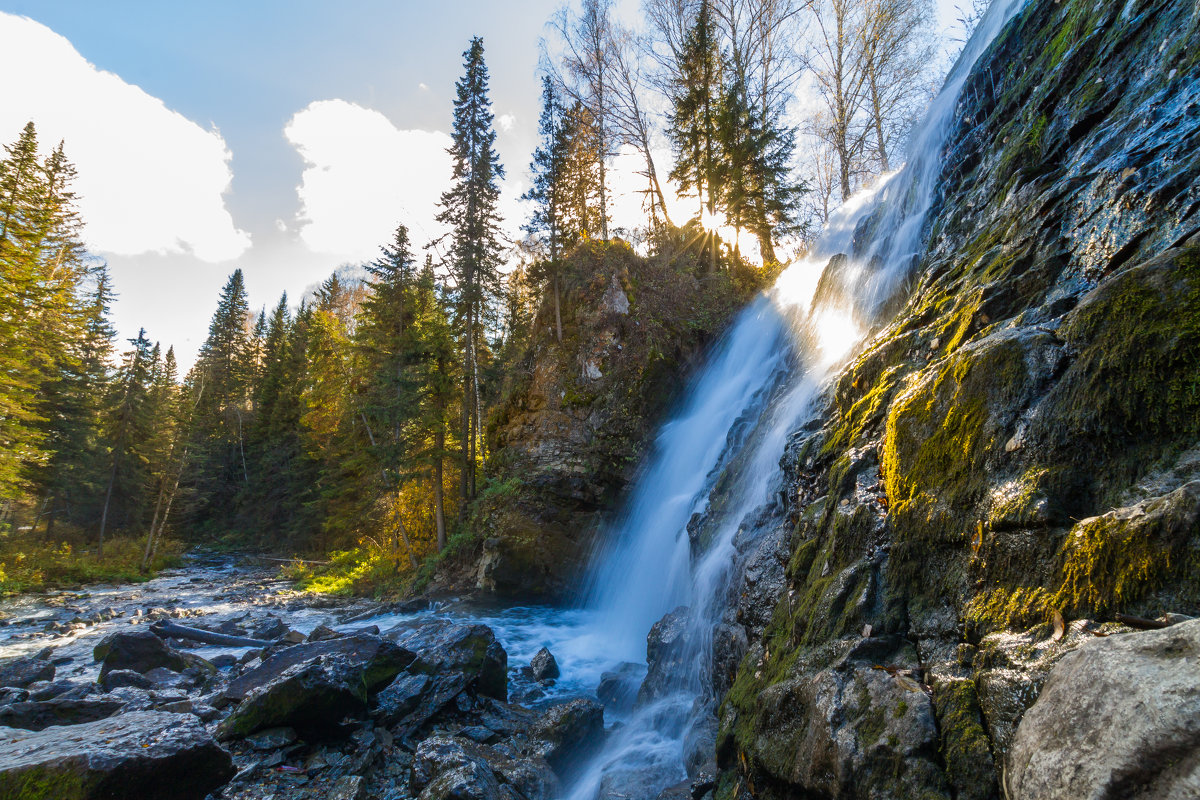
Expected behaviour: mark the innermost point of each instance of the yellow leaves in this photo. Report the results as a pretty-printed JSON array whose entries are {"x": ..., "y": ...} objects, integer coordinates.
[{"x": 1060, "y": 625}]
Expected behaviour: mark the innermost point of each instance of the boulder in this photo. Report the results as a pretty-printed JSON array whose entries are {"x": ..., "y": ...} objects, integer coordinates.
[
  {"x": 142, "y": 651},
  {"x": 544, "y": 666},
  {"x": 34, "y": 715},
  {"x": 21, "y": 672},
  {"x": 666, "y": 653},
  {"x": 148, "y": 755},
  {"x": 442, "y": 766},
  {"x": 443, "y": 646},
  {"x": 1117, "y": 717},
  {"x": 618, "y": 688},
  {"x": 270, "y": 628},
  {"x": 321, "y": 633},
  {"x": 376, "y": 661},
  {"x": 124, "y": 677},
  {"x": 401, "y": 697},
  {"x": 313, "y": 695},
  {"x": 567, "y": 731}
]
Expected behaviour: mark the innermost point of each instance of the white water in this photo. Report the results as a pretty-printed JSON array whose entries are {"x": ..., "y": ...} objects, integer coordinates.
[{"x": 758, "y": 386}]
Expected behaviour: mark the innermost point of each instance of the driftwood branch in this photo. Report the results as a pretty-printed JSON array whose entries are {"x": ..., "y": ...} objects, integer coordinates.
[
  {"x": 176, "y": 631},
  {"x": 1141, "y": 622}
]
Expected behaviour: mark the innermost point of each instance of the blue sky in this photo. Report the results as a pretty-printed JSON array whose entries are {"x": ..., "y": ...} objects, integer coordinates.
[{"x": 285, "y": 137}]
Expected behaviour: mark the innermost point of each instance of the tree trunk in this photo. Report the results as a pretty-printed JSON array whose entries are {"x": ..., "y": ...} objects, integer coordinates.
[{"x": 112, "y": 478}]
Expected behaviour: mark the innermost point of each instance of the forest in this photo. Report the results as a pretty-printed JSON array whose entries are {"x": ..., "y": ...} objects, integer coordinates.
[{"x": 357, "y": 420}]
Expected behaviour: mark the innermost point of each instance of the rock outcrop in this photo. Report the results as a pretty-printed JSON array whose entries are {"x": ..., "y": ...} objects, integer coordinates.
[
  {"x": 1118, "y": 717},
  {"x": 146, "y": 754},
  {"x": 577, "y": 416},
  {"x": 1009, "y": 468}
]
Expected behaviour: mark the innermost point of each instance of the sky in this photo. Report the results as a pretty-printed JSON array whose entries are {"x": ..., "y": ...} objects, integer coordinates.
[{"x": 285, "y": 137}]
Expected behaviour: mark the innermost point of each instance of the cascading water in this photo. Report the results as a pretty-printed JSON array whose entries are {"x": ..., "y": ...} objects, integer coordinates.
[{"x": 719, "y": 457}]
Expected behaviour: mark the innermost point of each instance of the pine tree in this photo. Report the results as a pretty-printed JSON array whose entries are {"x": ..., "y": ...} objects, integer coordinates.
[
  {"x": 548, "y": 169},
  {"x": 695, "y": 116},
  {"x": 220, "y": 428},
  {"x": 469, "y": 209},
  {"x": 386, "y": 335},
  {"x": 129, "y": 433}
]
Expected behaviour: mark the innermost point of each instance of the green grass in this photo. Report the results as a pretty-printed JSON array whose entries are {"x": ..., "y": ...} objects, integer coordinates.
[{"x": 28, "y": 565}]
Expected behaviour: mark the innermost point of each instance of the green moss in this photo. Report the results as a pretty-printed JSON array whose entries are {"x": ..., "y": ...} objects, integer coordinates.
[
  {"x": 900, "y": 710},
  {"x": 1112, "y": 562},
  {"x": 60, "y": 781},
  {"x": 964, "y": 742},
  {"x": 1006, "y": 607}
]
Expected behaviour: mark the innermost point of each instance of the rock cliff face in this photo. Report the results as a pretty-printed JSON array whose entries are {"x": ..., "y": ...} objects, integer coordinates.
[
  {"x": 1011, "y": 462},
  {"x": 577, "y": 418}
]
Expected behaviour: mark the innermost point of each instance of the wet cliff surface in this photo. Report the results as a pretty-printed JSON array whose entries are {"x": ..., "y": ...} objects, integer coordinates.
[
  {"x": 578, "y": 414},
  {"x": 1010, "y": 465}
]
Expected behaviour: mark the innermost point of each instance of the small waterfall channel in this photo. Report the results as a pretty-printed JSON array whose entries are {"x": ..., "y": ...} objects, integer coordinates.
[{"x": 713, "y": 484}]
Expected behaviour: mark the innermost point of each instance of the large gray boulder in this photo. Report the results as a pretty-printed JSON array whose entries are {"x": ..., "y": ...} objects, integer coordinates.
[
  {"x": 443, "y": 646},
  {"x": 667, "y": 651},
  {"x": 142, "y": 651},
  {"x": 146, "y": 754},
  {"x": 446, "y": 767},
  {"x": 1117, "y": 718},
  {"x": 21, "y": 672},
  {"x": 568, "y": 731},
  {"x": 374, "y": 660},
  {"x": 34, "y": 715}
]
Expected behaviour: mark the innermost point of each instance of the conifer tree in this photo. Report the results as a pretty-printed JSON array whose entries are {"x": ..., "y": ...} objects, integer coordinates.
[
  {"x": 129, "y": 433},
  {"x": 695, "y": 116},
  {"x": 469, "y": 209},
  {"x": 548, "y": 169}
]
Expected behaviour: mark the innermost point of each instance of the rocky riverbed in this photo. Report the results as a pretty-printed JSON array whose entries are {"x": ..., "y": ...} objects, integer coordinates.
[{"x": 219, "y": 680}]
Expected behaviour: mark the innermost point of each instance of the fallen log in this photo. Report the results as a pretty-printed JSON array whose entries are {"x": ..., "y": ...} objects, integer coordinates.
[
  {"x": 1141, "y": 622},
  {"x": 176, "y": 631}
]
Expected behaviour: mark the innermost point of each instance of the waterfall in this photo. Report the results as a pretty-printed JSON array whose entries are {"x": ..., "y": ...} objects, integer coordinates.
[{"x": 716, "y": 464}]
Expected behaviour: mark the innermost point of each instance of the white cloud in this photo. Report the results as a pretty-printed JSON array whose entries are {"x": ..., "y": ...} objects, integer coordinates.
[
  {"x": 150, "y": 180},
  {"x": 506, "y": 122},
  {"x": 363, "y": 175},
  {"x": 422, "y": 87}
]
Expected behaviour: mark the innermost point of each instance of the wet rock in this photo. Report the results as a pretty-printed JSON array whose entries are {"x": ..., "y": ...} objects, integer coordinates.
[
  {"x": 202, "y": 711},
  {"x": 543, "y": 666},
  {"x": 443, "y": 767},
  {"x": 401, "y": 697},
  {"x": 443, "y": 646},
  {"x": 11, "y": 695},
  {"x": 34, "y": 715},
  {"x": 699, "y": 747},
  {"x": 271, "y": 628},
  {"x": 124, "y": 677},
  {"x": 730, "y": 644},
  {"x": 271, "y": 738},
  {"x": 348, "y": 787},
  {"x": 376, "y": 660},
  {"x": 147, "y": 755},
  {"x": 1118, "y": 717},
  {"x": 631, "y": 782},
  {"x": 470, "y": 781},
  {"x": 618, "y": 689},
  {"x": 224, "y": 661},
  {"x": 323, "y": 632},
  {"x": 666, "y": 653},
  {"x": 568, "y": 731},
  {"x": 21, "y": 672},
  {"x": 48, "y": 691},
  {"x": 142, "y": 651}
]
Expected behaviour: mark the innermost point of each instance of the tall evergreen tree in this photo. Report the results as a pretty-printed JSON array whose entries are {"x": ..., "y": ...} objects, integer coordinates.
[
  {"x": 469, "y": 209},
  {"x": 221, "y": 468},
  {"x": 130, "y": 432},
  {"x": 548, "y": 169},
  {"x": 695, "y": 116}
]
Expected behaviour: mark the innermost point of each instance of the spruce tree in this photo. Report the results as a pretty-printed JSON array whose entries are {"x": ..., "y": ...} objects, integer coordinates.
[
  {"x": 129, "y": 434},
  {"x": 695, "y": 116},
  {"x": 548, "y": 170},
  {"x": 469, "y": 209}
]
